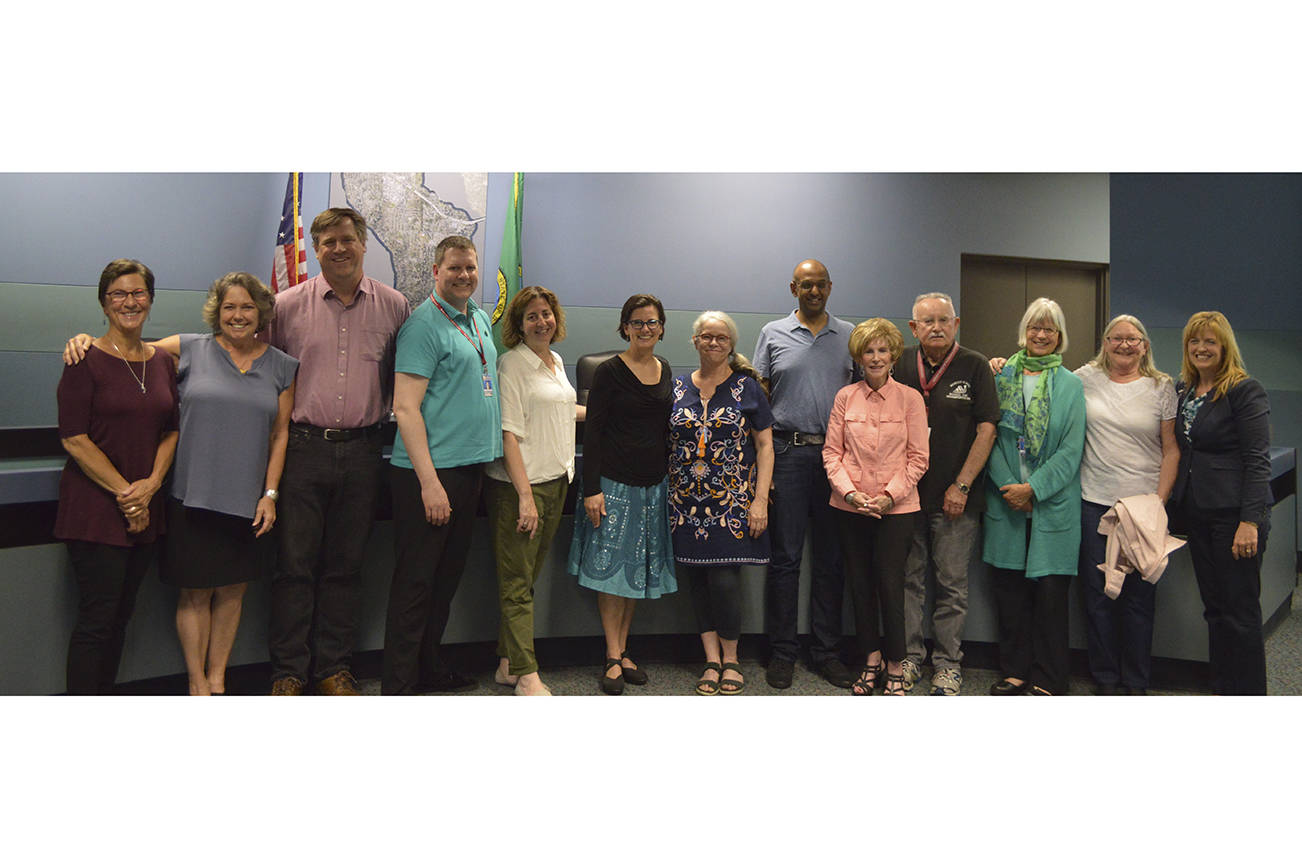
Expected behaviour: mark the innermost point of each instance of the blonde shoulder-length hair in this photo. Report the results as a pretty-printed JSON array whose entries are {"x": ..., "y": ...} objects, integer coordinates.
[
  {"x": 1146, "y": 366},
  {"x": 1231, "y": 372}
]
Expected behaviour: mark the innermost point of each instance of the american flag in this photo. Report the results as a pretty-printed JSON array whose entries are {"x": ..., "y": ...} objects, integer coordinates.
[{"x": 289, "y": 265}]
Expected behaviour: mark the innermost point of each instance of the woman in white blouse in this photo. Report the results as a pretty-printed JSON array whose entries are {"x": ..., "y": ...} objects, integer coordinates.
[
  {"x": 1130, "y": 449},
  {"x": 526, "y": 488}
]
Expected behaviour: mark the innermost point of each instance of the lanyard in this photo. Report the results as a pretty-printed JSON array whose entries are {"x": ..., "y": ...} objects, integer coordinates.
[
  {"x": 483, "y": 360},
  {"x": 928, "y": 385}
]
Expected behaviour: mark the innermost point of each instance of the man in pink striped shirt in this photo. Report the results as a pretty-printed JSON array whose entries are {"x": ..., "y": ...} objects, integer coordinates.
[{"x": 342, "y": 327}]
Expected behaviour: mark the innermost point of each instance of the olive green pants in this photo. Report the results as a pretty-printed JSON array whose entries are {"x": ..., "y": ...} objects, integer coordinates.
[{"x": 519, "y": 560}]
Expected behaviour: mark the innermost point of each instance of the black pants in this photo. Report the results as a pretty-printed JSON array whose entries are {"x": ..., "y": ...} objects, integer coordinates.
[
  {"x": 108, "y": 578},
  {"x": 428, "y": 562},
  {"x": 1033, "y": 628},
  {"x": 1231, "y": 592},
  {"x": 716, "y": 597},
  {"x": 874, "y": 552},
  {"x": 327, "y": 504}
]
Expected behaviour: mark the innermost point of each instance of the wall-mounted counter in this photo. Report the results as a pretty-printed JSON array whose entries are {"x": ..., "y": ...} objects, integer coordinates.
[{"x": 38, "y": 596}]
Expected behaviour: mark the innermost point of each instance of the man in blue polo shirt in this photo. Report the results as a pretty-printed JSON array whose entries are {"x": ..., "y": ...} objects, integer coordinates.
[
  {"x": 449, "y": 427},
  {"x": 804, "y": 358}
]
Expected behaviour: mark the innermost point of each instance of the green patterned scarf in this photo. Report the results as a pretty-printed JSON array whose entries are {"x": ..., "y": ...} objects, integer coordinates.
[{"x": 1029, "y": 422}]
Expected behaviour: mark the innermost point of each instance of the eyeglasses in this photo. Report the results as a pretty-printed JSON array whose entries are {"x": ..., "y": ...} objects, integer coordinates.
[
  {"x": 639, "y": 324},
  {"x": 942, "y": 321},
  {"x": 714, "y": 339},
  {"x": 1044, "y": 330},
  {"x": 1128, "y": 342},
  {"x": 119, "y": 296}
]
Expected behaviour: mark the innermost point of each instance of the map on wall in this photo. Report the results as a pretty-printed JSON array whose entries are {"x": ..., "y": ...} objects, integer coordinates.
[{"x": 407, "y": 214}]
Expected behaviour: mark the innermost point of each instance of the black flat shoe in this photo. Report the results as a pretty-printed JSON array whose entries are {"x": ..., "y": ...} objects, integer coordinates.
[
  {"x": 1004, "y": 687},
  {"x": 612, "y": 686},
  {"x": 780, "y": 672},
  {"x": 632, "y": 676},
  {"x": 447, "y": 682}
]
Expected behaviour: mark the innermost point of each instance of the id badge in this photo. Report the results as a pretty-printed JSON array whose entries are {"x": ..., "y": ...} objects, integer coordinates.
[{"x": 488, "y": 386}]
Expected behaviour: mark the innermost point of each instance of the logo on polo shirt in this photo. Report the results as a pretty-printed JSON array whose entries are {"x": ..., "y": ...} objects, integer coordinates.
[{"x": 960, "y": 390}]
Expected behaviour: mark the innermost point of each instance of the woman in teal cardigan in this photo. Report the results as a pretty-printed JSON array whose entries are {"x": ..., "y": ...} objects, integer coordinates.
[{"x": 1032, "y": 521}]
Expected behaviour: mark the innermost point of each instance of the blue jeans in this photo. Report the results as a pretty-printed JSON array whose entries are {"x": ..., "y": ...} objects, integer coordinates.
[
  {"x": 1118, "y": 633},
  {"x": 801, "y": 493}
]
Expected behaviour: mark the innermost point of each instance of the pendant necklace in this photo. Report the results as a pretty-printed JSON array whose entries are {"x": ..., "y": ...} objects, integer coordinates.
[{"x": 143, "y": 362}]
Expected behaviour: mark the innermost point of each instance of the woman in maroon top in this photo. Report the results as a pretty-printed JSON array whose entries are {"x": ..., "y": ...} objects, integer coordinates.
[{"x": 118, "y": 423}]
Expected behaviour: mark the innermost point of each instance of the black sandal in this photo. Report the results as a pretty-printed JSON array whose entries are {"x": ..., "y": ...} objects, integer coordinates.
[
  {"x": 632, "y": 676},
  {"x": 866, "y": 683},
  {"x": 612, "y": 686},
  {"x": 731, "y": 686},
  {"x": 894, "y": 685},
  {"x": 707, "y": 686}
]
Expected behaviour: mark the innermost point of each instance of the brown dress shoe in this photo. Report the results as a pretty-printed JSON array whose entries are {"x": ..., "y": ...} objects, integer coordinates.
[
  {"x": 287, "y": 686},
  {"x": 342, "y": 683}
]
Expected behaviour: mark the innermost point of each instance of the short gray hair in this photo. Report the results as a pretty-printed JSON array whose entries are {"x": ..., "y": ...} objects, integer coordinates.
[
  {"x": 1042, "y": 309},
  {"x": 928, "y": 296}
]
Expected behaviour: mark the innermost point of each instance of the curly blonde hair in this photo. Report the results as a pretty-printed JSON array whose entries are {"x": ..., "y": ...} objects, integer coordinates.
[
  {"x": 870, "y": 330},
  {"x": 257, "y": 290}
]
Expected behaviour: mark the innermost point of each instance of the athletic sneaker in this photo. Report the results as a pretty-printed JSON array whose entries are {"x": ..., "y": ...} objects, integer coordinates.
[
  {"x": 912, "y": 674},
  {"x": 946, "y": 682}
]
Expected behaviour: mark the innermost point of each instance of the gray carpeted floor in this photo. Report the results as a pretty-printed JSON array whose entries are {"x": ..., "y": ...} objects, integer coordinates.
[{"x": 1283, "y": 669}]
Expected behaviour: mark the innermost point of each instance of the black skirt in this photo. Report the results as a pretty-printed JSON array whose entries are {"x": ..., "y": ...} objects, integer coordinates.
[{"x": 206, "y": 549}]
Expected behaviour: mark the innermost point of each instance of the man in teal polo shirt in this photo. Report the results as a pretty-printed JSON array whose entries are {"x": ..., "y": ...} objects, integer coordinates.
[{"x": 449, "y": 427}]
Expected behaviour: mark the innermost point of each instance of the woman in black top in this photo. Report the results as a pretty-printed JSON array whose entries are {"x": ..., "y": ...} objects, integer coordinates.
[
  {"x": 623, "y": 551},
  {"x": 1222, "y": 496}
]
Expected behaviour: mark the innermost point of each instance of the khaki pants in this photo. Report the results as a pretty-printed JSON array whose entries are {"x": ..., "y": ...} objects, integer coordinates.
[{"x": 519, "y": 560}]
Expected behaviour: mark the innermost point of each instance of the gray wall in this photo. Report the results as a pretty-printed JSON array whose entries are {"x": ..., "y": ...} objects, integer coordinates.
[
  {"x": 733, "y": 239},
  {"x": 696, "y": 240},
  {"x": 1228, "y": 242}
]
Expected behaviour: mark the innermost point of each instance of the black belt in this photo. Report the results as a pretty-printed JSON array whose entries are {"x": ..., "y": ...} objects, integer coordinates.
[
  {"x": 336, "y": 435},
  {"x": 799, "y": 438}
]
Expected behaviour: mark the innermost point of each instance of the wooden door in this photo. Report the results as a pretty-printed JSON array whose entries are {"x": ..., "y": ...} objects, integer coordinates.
[{"x": 994, "y": 292}]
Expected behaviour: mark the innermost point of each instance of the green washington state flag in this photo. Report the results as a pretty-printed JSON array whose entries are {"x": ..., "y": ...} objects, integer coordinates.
[{"x": 510, "y": 271}]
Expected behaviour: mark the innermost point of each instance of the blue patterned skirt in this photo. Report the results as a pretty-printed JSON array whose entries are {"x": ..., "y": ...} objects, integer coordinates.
[{"x": 630, "y": 555}]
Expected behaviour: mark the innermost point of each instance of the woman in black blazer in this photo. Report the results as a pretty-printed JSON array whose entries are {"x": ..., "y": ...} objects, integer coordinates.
[{"x": 1222, "y": 496}]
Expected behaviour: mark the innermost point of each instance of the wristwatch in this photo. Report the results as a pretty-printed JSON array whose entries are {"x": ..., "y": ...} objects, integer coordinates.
[{"x": 963, "y": 487}]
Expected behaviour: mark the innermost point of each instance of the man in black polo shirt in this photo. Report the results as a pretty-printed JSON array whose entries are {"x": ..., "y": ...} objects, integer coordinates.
[{"x": 962, "y": 410}]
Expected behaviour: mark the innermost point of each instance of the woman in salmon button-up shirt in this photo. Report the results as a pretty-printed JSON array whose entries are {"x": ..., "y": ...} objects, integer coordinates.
[{"x": 875, "y": 452}]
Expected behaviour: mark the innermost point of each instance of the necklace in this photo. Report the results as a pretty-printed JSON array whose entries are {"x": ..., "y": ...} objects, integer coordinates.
[
  {"x": 143, "y": 362},
  {"x": 243, "y": 368}
]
